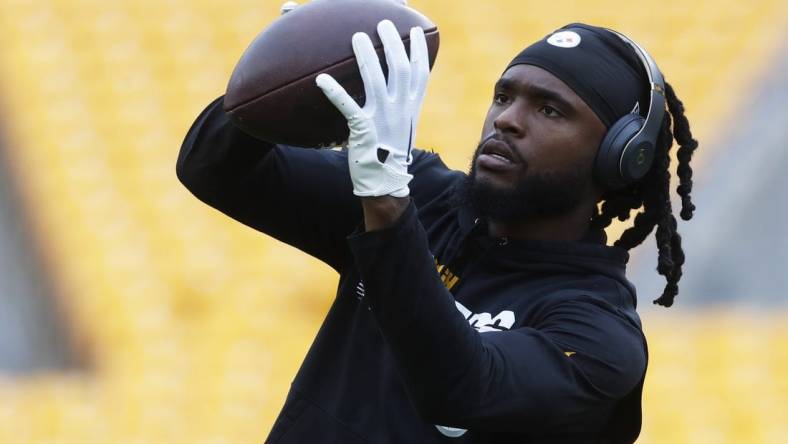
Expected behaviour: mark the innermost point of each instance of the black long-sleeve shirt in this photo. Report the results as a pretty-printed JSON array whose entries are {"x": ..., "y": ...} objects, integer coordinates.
[{"x": 438, "y": 333}]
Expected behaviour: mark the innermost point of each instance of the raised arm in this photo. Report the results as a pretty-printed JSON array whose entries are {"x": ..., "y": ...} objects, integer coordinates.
[{"x": 300, "y": 196}]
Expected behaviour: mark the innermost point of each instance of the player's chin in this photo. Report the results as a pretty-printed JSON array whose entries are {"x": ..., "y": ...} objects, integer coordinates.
[
  {"x": 504, "y": 176},
  {"x": 483, "y": 180}
]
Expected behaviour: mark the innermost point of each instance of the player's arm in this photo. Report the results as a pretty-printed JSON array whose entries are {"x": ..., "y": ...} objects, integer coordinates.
[
  {"x": 562, "y": 376},
  {"x": 296, "y": 195},
  {"x": 299, "y": 196}
]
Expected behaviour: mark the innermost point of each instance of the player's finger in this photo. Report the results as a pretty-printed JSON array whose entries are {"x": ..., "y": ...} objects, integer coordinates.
[
  {"x": 338, "y": 96},
  {"x": 369, "y": 66},
  {"x": 287, "y": 7},
  {"x": 369, "y": 92},
  {"x": 419, "y": 62},
  {"x": 396, "y": 59}
]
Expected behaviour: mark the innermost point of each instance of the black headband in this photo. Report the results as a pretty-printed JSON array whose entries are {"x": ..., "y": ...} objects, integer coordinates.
[{"x": 599, "y": 67}]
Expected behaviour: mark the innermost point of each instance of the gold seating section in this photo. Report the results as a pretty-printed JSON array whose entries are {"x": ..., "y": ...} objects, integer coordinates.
[{"x": 194, "y": 325}]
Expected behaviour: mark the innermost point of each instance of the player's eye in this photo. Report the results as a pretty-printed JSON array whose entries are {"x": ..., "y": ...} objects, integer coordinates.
[
  {"x": 549, "y": 111},
  {"x": 500, "y": 98}
]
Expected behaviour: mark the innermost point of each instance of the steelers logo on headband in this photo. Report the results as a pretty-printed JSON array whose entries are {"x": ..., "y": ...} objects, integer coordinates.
[{"x": 564, "y": 39}]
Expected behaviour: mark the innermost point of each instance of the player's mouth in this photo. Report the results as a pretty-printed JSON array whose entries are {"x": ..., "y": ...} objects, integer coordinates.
[{"x": 496, "y": 155}]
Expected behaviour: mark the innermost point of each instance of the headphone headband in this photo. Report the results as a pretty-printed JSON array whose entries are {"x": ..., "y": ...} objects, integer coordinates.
[
  {"x": 645, "y": 139},
  {"x": 656, "y": 85}
]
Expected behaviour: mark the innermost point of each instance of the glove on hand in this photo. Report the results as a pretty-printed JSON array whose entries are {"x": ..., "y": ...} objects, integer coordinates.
[{"x": 382, "y": 132}]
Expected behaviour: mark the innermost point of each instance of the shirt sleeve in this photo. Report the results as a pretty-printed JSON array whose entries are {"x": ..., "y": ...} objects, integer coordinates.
[
  {"x": 303, "y": 197},
  {"x": 561, "y": 376},
  {"x": 300, "y": 196}
]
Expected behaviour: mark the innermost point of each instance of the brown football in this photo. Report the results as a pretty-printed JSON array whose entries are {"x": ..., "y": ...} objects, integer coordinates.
[{"x": 272, "y": 93}]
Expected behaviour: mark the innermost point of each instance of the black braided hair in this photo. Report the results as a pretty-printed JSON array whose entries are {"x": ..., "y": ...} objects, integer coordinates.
[{"x": 652, "y": 194}]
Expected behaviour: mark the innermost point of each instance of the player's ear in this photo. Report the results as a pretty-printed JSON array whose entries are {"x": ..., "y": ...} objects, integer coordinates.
[{"x": 287, "y": 7}]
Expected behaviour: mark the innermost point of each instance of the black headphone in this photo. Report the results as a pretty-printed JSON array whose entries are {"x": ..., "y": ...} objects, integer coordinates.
[{"x": 627, "y": 150}]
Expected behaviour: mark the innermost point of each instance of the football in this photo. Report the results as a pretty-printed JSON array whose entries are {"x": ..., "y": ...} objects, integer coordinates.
[{"x": 272, "y": 93}]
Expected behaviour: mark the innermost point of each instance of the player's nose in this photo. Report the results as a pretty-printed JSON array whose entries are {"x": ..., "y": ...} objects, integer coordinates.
[{"x": 510, "y": 121}]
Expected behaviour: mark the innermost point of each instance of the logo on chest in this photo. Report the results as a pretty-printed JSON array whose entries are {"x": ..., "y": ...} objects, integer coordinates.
[{"x": 484, "y": 322}]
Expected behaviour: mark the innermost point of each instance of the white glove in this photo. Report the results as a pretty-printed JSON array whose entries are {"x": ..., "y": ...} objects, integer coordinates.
[{"x": 382, "y": 133}]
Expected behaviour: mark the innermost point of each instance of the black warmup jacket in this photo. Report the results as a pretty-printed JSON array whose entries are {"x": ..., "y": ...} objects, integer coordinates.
[{"x": 438, "y": 332}]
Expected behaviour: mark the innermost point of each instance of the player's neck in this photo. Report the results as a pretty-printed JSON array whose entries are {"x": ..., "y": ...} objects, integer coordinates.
[{"x": 569, "y": 227}]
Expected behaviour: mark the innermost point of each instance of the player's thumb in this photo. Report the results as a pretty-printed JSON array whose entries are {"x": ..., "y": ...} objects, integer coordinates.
[{"x": 338, "y": 96}]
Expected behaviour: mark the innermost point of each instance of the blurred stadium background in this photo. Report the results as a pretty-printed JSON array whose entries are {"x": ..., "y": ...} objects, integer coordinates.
[{"x": 132, "y": 313}]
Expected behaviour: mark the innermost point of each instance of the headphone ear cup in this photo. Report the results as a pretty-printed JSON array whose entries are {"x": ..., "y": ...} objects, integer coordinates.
[{"x": 607, "y": 166}]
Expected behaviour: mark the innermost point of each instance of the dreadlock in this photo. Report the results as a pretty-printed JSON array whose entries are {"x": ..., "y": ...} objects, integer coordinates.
[{"x": 652, "y": 194}]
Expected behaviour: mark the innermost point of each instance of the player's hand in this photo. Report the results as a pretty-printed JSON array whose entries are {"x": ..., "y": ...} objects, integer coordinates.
[{"x": 382, "y": 132}]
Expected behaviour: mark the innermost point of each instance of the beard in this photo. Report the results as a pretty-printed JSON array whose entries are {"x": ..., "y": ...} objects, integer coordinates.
[{"x": 535, "y": 196}]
